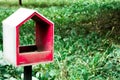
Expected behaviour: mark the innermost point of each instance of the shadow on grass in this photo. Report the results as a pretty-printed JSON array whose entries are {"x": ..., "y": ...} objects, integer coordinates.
[{"x": 108, "y": 21}]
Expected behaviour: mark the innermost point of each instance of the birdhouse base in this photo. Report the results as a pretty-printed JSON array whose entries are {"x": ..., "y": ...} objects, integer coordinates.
[{"x": 28, "y": 58}]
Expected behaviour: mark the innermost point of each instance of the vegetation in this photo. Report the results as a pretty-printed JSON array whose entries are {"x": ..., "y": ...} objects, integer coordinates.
[{"x": 86, "y": 40}]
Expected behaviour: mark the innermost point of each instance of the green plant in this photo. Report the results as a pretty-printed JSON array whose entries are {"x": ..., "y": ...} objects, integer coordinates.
[{"x": 81, "y": 52}]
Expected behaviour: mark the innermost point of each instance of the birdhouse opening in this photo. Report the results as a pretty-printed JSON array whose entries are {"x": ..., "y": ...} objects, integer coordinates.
[
  {"x": 27, "y": 33},
  {"x": 35, "y": 36},
  {"x": 27, "y": 37}
]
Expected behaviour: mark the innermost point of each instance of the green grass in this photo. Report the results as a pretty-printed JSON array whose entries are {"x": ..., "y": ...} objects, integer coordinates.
[
  {"x": 37, "y": 3},
  {"x": 83, "y": 51}
]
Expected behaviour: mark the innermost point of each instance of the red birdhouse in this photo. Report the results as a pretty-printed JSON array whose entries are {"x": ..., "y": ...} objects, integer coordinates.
[{"x": 41, "y": 51}]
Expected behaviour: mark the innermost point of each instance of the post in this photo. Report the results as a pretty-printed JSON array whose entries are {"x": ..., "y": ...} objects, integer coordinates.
[
  {"x": 20, "y": 2},
  {"x": 28, "y": 72}
]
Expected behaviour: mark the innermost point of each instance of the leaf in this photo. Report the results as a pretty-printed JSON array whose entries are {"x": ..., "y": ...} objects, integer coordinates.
[
  {"x": 85, "y": 74},
  {"x": 7, "y": 75},
  {"x": 52, "y": 73},
  {"x": 34, "y": 78}
]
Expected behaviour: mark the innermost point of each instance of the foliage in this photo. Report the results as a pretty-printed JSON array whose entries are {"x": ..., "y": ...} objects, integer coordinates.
[
  {"x": 37, "y": 3},
  {"x": 29, "y": 30},
  {"x": 83, "y": 49}
]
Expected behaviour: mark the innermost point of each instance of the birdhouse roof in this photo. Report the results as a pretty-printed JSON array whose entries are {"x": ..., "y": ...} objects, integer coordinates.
[{"x": 21, "y": 16}]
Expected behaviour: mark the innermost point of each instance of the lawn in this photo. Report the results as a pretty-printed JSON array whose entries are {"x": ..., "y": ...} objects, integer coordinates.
[{"x": 86, "y": 39}]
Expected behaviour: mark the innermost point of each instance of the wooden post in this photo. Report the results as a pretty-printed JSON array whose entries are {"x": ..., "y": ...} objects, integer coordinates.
[
  {"x": 27, "y": 72},
  {"x": 20, "y": 2}
]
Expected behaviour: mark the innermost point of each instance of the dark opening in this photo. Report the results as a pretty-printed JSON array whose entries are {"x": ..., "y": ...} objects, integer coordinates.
[{"x": 32, "y": 48}]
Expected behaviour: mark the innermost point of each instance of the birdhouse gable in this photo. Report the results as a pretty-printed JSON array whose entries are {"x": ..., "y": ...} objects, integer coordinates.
[{"x": 18, "y": 17}]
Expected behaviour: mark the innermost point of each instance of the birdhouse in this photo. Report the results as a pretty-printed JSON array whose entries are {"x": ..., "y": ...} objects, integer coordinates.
[{"x": 39, "y": 52}]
